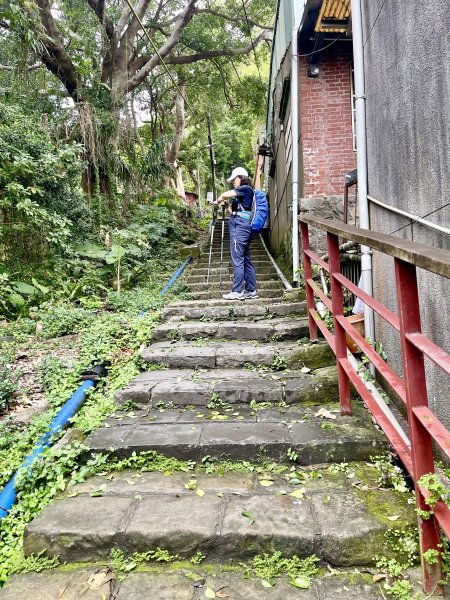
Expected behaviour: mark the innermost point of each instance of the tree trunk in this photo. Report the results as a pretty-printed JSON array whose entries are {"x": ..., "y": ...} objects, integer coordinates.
[
  {"x": 178, "y": 129},
  {"x": 178, "y": 133}
]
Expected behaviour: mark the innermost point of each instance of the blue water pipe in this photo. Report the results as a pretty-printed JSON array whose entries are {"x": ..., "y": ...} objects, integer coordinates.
[
  {"x": 8, "y": 495},
  {"x": 175, "y": 276}
]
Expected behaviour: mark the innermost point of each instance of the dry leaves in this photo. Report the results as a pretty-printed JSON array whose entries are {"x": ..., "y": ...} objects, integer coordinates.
[{"x": 323, "y": 413}]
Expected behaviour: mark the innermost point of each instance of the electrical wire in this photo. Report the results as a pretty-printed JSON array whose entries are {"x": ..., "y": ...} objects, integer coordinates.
[
  {"x": 322, "y": 49},
  {"x": 374, "y": 23},
  {"x": 253, "y": 45},
  {"x": 423, "y": 217}
]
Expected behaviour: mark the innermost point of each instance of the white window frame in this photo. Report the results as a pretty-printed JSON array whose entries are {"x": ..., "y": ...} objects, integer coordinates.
[{"x": 288, "y": 143}]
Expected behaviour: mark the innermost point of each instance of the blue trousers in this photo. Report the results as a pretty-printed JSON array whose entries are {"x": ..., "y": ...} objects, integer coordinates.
[{"x": 243, "y": 270}]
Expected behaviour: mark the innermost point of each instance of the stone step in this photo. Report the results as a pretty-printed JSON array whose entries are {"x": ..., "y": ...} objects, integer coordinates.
[
  {"x": 91, "y": 582},
  {"x": 257, "y": 263},
  {"x": 241, "y": 433},
  {"x": 227, "y": 274},
  {"x": 255, "y": 254},
  {"x": 227, "y": 266},
  {"x": 198, "y": 271},
  {"x": 335, "y": 516},
  {"x": 262, "y": 285},
  {"x": 294, "y": 295},
  {"x": 217, "y": 294},
  {"x": 228, "y": 355},
  {"x": 184, "y": 387},
  {"x": 261, "y": 331},
  {"x": 243, "y": 310},
  {"x": 227, "y": 258}
]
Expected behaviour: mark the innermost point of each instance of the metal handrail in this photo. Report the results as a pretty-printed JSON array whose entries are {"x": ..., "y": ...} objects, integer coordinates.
[
  {"x": 284, "y": 281},
  {"x": 410, "y": 216},
  {"x": 424, "y": 426}
]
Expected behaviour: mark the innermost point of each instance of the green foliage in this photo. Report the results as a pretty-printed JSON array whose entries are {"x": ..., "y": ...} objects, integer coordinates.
[
  {"x": 198, "y": 558},
  {"x": 405, "y": 543},
  {"x": 269, "y": 567},
  {"x": 216, "y": 403},
  {"x": 36, "y": 563},
  {"x": 52, "y": 373},
  {"x": 158, "y": 555},
  {"x": 292, "y": 455},
  {"x": 431, "y": 556},
  {"x": 64, "y": 320},
  {"x": 396, "y": 585},
  {"x": 279, "y": 363},
  {"x": 41, "y": 203},
  {"x": 390, "y": 475},
  {"x": 437, "y": 490},
  {"x": 17, "y": 296},
  {"x": 149, "y": 461},
  {"x": 8, "y": 378}
]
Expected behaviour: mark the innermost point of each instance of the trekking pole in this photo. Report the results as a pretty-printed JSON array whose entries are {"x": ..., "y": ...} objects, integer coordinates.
[
  {"x": 213, "y": 223},
  {"x": 221, "y": 246}
]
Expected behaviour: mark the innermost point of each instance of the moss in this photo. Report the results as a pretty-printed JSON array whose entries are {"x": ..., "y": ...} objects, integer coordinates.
[
  {"x": 384, "y": 504},
  {"x": 313, "y": 356},
  {"x": 367, "y": 474}
]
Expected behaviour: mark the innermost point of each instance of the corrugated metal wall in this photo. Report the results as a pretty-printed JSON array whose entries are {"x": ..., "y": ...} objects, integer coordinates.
[{"x": 288, "y": 12}]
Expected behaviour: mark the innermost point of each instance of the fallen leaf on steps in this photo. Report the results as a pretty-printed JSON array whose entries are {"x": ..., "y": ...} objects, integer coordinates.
[{"x": 323, "y": 413}]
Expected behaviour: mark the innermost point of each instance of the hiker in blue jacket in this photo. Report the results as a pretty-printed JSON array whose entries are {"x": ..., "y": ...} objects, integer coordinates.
[{"x": 241, "y": 197}]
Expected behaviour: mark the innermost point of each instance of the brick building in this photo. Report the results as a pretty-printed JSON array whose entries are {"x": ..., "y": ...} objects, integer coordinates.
[{"x": 326, "y": 148}]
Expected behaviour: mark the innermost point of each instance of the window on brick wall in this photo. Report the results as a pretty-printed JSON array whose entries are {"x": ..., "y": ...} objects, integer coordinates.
[
  {"x": 288, "y": 143},
  {"x": 352, "y": 80}
]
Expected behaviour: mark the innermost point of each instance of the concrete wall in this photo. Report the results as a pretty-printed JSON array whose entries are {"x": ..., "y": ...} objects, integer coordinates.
[{"x": 407, "y": 60}]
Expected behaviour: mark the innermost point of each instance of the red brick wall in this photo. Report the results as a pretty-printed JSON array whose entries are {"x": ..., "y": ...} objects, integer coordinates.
[{"x": 326, "y": 123}]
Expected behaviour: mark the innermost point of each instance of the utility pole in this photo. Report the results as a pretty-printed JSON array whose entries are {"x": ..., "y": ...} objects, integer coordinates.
[
  {"x": 211, "y": 158},
  {"x": 200, "y": 212}
]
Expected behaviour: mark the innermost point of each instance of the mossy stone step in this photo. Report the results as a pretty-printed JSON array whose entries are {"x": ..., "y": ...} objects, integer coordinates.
[
  {"x": 285, "y": 297},
  {"x": 258, "y": 262},
  {"x": 198, "y": 270},
  {"x": 234, "y": 518},
  {"x": 261, "y": 331},
  {"x": 213, "y": 294},
  {"x": 97, "y": 582},
  {"x": 243, "y": 310},
  {"x": 213, "y": 285},
  {"x": 183, "y": 387},
  {"x": 241, "y": 433},
  {"x": 227, "y": 355},
  {"x": 226, "y": 274}
]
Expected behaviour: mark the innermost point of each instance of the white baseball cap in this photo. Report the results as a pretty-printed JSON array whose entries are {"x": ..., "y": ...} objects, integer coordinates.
[{"x": 237, "y": 172}]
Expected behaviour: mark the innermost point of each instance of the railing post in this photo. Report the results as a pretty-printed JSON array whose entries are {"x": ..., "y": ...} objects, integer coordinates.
[
  {"x": 416, "y": 395},
  {"x": 307, "y": 271},
  {"x": 337, "y": 304}
]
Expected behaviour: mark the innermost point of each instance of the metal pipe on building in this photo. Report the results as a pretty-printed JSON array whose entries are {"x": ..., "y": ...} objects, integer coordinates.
[
  {"x": 408, "y": 215},
  {"x": 294, "y": 137},
  {"x": 361, "y": 159}
]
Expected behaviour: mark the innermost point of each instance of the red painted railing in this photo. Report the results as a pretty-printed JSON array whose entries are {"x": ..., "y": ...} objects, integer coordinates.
[{"x": 424, "y": 427}]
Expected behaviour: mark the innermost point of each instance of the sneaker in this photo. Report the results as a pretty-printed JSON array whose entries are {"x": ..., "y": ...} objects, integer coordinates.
[
  {"x": 251, "y": 295},
  {"x": 234, "y": 296}
]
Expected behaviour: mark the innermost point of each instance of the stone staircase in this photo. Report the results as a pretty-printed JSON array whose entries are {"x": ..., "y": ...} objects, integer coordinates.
[{"x": 237, "y": 388}]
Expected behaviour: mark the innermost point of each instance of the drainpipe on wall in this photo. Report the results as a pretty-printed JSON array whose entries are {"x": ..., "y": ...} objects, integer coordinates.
[
  {"x": 294, "y": 138},
  {"x": 361, "y": 161}
]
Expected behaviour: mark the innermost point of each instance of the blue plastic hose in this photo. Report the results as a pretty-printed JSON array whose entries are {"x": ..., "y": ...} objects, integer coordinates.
[
  {"x": 8, "y": 495},
  {"x": 175, "y": 276}
]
